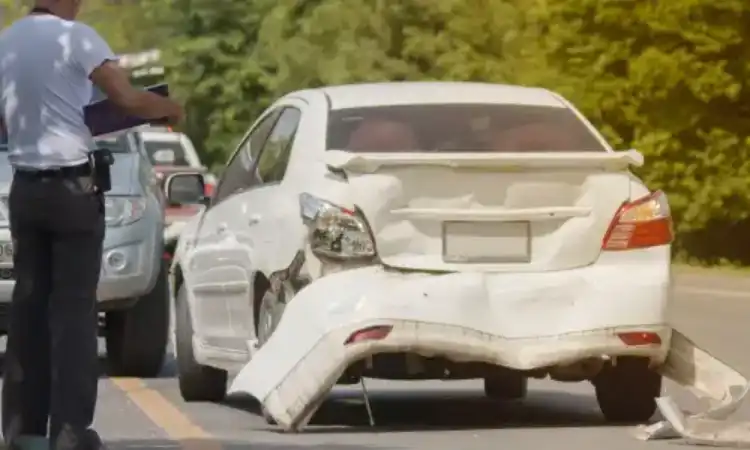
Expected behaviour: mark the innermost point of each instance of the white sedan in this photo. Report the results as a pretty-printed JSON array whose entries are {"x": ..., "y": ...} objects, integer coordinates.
[{"x": 425, "y": 231}]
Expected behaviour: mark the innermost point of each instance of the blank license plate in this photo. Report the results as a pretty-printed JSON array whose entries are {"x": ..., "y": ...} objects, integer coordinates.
[
  {"x": 6, "y": 253},
  {"x": 487, "y": 242}
]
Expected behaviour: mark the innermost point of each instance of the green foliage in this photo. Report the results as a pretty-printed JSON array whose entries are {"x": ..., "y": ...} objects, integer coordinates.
[{"x": 665, "y": 77}]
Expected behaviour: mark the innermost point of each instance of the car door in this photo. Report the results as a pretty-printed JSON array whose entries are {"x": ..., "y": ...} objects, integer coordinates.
[
  {"x": 262, "y": 211},
  {"x": 217, "y": 265}
]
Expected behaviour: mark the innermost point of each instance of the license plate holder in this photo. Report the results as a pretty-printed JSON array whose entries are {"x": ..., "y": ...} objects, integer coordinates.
[{"x": 487, "y": 242}]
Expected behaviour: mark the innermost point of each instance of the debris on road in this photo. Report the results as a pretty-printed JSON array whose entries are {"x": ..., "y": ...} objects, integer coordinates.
[{"x": 710, "y": 380}]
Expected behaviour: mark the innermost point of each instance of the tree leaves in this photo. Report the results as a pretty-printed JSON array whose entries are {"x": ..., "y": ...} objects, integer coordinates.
[{"x": 666, "y": 77}]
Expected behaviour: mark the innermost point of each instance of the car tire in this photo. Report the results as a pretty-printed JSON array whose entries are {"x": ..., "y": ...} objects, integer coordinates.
[
  {"x": 506, "y": 386},
  {"x": 198, "y": 383},
  {"x": 137, "y": 337},
  {"x": 627, "y": 391},
  {"x": 269, "y": 315}
]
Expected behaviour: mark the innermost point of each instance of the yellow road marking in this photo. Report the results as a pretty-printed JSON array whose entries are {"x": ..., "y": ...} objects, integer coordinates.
[{"x": 166, "y": 416}]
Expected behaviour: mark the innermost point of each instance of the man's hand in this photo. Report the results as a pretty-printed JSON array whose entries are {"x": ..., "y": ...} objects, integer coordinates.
[
  {"x": 114, "y": 82},
  {"x": 176, "y": 115}
]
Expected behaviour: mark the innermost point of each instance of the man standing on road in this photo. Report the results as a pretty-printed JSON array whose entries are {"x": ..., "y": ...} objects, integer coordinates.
[{"x": 47, "y": 65}]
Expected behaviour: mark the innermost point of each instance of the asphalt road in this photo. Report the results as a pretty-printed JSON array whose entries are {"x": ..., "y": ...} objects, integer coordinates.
[{"x": 149, "y": 414}]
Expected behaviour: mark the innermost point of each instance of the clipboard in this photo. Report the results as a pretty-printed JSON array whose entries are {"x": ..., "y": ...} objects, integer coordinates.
[{"x": 104, "y": 117}]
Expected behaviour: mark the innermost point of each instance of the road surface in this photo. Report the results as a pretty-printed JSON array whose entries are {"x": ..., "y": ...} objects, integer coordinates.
[{"x": 149, "y": 414}]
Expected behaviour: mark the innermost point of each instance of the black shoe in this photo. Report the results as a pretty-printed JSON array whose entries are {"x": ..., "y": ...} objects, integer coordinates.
[
  {"x": 89, "y": 440},
  {"x": 94, "y": 441}
]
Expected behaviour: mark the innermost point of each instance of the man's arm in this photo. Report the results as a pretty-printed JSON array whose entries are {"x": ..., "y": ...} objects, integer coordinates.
[
  {"x": 114, "y": 82},
  {"x": 97, "y": 61}
]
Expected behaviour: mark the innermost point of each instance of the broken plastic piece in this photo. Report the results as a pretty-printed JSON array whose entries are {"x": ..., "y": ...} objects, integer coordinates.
[
  {"x": 707, "y": 378},
  {"x": 366, "y": 398}
]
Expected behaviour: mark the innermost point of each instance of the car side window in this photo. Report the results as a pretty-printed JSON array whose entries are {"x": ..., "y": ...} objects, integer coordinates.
[
  {"x": 276, "y": 151},
  {"x": 239, "y": 173}
]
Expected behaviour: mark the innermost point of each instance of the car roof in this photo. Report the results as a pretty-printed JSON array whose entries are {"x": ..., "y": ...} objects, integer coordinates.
[{"x": 407, "y": 93}]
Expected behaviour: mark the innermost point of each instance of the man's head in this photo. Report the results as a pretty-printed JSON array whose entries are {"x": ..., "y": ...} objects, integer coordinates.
[{"x": 65, "y": 9}]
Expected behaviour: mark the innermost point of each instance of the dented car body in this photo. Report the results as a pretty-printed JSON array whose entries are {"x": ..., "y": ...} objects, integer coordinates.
[{"x": 425, "y": 231}]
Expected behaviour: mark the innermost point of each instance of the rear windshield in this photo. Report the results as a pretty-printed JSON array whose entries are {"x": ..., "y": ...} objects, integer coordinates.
[{"x": 459, "y": 128}]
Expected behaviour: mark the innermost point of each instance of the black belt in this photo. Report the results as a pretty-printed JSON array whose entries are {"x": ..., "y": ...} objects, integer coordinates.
[{"x": 81, "y": 170}]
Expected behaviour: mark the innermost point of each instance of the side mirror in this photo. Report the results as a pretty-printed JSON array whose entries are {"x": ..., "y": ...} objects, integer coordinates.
[{"x": 185, "y": 189}]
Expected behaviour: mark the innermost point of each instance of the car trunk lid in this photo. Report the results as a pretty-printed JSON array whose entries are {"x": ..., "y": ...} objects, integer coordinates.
[{"x": 487, "y": 211}]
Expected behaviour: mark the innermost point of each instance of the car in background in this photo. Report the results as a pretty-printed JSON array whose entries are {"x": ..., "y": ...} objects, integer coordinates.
[
  {"x": 166, "y": 148},
  {"x": 424, "y": 230},
  {"x": 172, "y": 152},
  {"x": 178, "y": 213},
  {"x": 133, "y": 293}
]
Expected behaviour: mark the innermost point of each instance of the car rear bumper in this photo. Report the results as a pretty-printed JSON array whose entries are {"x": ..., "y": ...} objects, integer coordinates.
[{"x": 518, "y": 320}]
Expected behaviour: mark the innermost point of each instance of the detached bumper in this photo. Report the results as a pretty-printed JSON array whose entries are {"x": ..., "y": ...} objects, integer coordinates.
[{"x": 522, "y": 321}]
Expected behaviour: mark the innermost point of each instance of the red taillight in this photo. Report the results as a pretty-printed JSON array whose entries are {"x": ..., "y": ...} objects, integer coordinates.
[
  {"x": 208, "y": 189},
  {"x": 646, "y": 222},
  {"x": 166, "y": 256},
  {"x": 375, "y": 333}
]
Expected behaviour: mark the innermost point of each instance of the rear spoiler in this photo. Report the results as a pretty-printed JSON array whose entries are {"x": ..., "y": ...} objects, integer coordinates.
[{"x": 371, "y": 162}]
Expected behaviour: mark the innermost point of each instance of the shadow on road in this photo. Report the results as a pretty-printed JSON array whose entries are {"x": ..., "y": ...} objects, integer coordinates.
[{"x": 444, "y": 409}]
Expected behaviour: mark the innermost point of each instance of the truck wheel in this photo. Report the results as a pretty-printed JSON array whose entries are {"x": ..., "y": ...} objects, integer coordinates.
[
  {"x": 137, "y": 337},
  {"x": 198, "y": 383},
  {"x": 627, "y": 391},
  {"x": 506, "y": 385}
]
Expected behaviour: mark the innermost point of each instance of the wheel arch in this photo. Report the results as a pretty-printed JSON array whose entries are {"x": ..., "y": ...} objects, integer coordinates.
[{"x": 263, "y": 282}]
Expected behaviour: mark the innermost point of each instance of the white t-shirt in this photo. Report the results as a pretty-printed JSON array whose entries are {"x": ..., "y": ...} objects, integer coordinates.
[{"x": 45, "y": 63}]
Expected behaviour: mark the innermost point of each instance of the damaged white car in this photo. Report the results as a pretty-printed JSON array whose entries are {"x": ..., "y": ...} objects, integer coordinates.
[{"x": 425, "y": 231}]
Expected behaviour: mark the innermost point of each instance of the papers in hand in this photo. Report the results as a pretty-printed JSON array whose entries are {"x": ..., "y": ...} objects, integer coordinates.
[{"x": 104, "y": 117}]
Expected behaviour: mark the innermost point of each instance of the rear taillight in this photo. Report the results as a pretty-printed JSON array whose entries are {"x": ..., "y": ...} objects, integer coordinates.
[
  {"x": 208, "y": 190},
  {"x": 336, "y": 233},
  {"x": 646, "y": 222}
]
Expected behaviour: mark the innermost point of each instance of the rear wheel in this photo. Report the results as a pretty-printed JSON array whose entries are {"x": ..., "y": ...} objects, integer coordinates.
[
  {"x": 506, "y": 385},
  {"x": 198, "y": 383},
  {"x": 137, "y": 338},
  {"x": 627, "y": 391}
]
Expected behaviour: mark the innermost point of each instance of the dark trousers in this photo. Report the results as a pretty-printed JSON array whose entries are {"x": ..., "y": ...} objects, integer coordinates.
[{"x": 51, "y": 360}]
